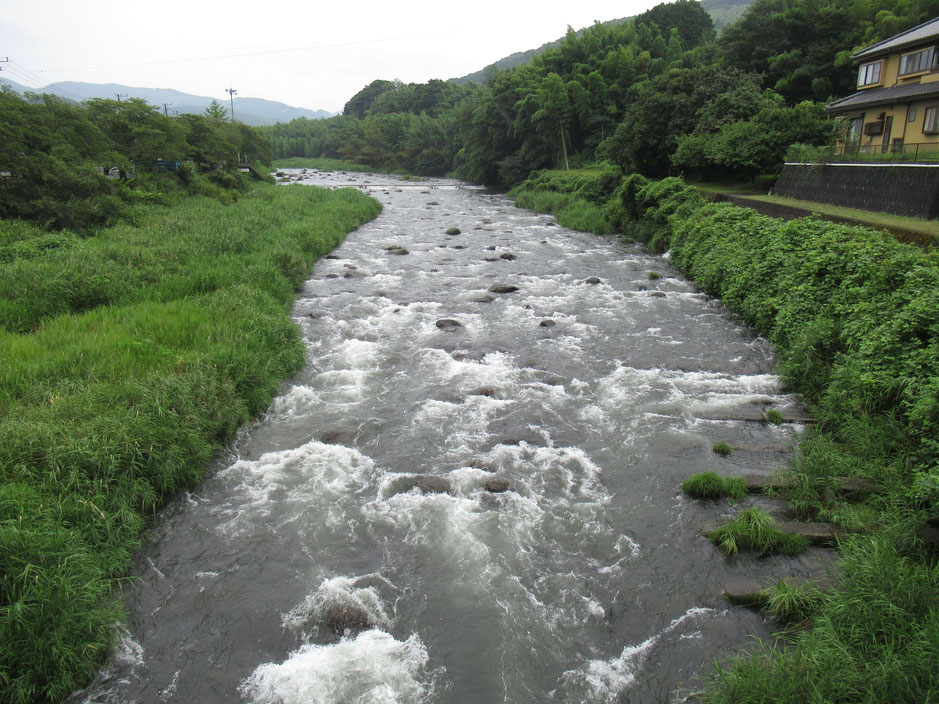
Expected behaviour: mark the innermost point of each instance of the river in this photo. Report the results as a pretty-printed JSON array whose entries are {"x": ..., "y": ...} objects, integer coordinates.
[{"x": 368, "y": 497}]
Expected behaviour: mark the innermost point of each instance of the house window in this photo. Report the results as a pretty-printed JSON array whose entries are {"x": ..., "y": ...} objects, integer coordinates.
[
  {"x": 930, "y": 121},
  {"x": 869, "y": 74},
  {"x": 918, "y": 61},
  {"x": 911, "y": 115},
  {"x": 853, "y": 131}
]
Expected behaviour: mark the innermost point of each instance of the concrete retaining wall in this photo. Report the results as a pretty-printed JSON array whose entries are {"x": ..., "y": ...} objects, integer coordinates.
[{"x": 901, "y": 189}]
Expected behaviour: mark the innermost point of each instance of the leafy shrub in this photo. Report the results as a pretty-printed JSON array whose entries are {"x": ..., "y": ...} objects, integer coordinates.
[{"x": 723, "y": 449}]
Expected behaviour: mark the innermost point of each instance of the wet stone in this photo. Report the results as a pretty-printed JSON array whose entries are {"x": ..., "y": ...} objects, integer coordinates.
[
  {"x": 338, "y": 436},
  {"x": 497, "y": 486},
  {"x": 484, "y": 465},
  {"x": 453, "y": 231},
  {"x": 355, "y": 275},
  {"x": 508, "y": 256},
  {"x": 430, "y": 484},
  {"x": 448, "y": 324},
  {"x": 332, "y": 276},
  {"x": 483, "y": 299},
  {"x": 547, "y": 323},
  {"x": 342, "y": 618},
  {"x": 491, "y": 248},
  {"x": 503, "y": 288},
  {"x": 330, "y": 256},
  {"x": 656, "y": 294},
  {"x": 399, "y": 251},
  {"x": 592, "y": 280}
]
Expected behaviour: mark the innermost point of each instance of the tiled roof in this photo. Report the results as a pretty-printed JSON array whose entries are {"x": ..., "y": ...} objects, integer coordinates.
[
  {"x": 922, "y": 33},
  {"x": 884, "y": 96}
]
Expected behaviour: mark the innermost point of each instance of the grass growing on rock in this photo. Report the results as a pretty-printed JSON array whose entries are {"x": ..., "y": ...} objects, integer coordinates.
[
  {"x": 773, "y": 417},
  {"x": 792, "y": 603},
  {"x": 754, "y": 530},
  {"x": 111, "y": 402},
  {"x": 708, "y": 485},
  {"x": 723, "y": 449}
]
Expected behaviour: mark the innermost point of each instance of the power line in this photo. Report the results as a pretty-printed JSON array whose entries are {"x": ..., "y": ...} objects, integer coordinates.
[{"x": 246, "y": 54}]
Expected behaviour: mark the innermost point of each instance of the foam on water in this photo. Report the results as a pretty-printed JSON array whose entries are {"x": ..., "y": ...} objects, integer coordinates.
[
  {"x": 606, "y": 680},
  {"x": 314, "y": 479},
  {"x": 307, "y": 616},
  {"x": 372, "y": 668}
]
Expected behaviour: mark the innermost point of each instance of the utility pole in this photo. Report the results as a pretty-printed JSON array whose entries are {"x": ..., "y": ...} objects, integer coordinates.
[
  {"x": 119, "y": 96},
  {"x": 166, "y": 109},
  {"x": 231, "y": 94}
]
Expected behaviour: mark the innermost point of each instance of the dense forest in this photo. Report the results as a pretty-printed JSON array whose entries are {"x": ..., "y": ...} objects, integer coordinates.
[{"x": 659, "y": 93}]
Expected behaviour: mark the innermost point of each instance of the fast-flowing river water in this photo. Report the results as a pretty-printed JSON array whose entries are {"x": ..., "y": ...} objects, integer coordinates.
[{"x": 480, "y": 510}]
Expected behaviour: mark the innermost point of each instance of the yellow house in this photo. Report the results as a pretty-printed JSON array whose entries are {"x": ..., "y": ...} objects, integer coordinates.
[{"x": 896, "y": 107}]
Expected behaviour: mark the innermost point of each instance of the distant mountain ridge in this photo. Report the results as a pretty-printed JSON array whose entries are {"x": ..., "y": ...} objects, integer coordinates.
[
  {"x": 251, "y": 111},
  {"x": 722, "y": 12}
]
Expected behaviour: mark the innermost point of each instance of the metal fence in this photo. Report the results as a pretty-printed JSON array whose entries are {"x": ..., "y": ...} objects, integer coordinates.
[{"x": 925, "y": 152}]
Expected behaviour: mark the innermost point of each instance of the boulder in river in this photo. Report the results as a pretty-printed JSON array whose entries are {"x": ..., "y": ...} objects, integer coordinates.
[
  {"x": 503, "y": 288},
  {"x": 547, "y": 323},
  {"x": 449, "y": 324},
  {"x": 397, "y": 250},
  {"x": 508, "y": 256},
  {"x": 656, "y": 294},
  {"x": 592, "y": 280},
  {"x": 354, "y": 274},
  {"x": 483, "y": 299},
  {"x": 498, "y": 485},
  {"x": 342, "y": 618},
  {"x": 430, "y": 484},
  {"x": 453, "y": 231}
]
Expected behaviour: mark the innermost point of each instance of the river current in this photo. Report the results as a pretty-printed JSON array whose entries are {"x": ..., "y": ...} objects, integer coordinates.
[{"x": 468, "y": 496}]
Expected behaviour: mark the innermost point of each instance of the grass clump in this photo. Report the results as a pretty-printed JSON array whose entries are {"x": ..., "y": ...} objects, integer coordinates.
[
  {"x": 792, "y": 603},
  {"x": 773, "y": 417},
  {"x": 654, "y": 275},
  {"x": 754, "y": 530},
  {"x": 723, "y": 449},
  {"x": 114, "y": 399},
  {"x": 708, "y": 485}
]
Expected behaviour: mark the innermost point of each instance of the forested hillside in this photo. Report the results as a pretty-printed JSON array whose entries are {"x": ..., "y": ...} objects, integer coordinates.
[{"x": 657, "y": 94}]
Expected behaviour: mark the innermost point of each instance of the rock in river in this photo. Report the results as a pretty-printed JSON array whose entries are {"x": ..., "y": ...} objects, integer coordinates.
[
  {"x": 448, "y": 324},
  {"x": 503, "y": 288},
  {"x": 497, "y": 486}
]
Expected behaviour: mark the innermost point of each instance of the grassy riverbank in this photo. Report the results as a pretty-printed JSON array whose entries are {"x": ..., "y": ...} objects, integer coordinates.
[
  {"x": 854, "y": 316},
  {"x": 128, "y": 359}
]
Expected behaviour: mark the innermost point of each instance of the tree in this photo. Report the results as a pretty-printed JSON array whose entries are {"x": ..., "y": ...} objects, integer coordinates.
[{"x": 216, "y": 111}]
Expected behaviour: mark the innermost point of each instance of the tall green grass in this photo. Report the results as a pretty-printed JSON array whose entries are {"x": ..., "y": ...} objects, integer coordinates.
[{"x": 126, "y": 361}]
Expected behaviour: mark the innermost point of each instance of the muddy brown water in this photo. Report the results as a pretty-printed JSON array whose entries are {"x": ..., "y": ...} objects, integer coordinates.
[{"x": 587, "y": 581}]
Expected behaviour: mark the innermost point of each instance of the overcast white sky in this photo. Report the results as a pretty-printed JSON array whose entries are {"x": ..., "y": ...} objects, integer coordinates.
[{"x": 306, "y": 53}]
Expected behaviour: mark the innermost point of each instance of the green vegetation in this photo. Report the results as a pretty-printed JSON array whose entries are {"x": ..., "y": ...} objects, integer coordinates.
[
  {"x": 654, "y": 94},
  {"x": 773, "y": 417},
  {"x": 792, "y": 603},
  {"x": 654, "y": 275},
  {"x": 873, "y": 639},
  {"x": 886, "y": 220},
  {"x": 723, "y": 449},
  {"x": 57, "y": 153},
  {"x": 708, "y": 485},
  {"x": 754, "y": 530},
  {"x": 128, "y": 359}
]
